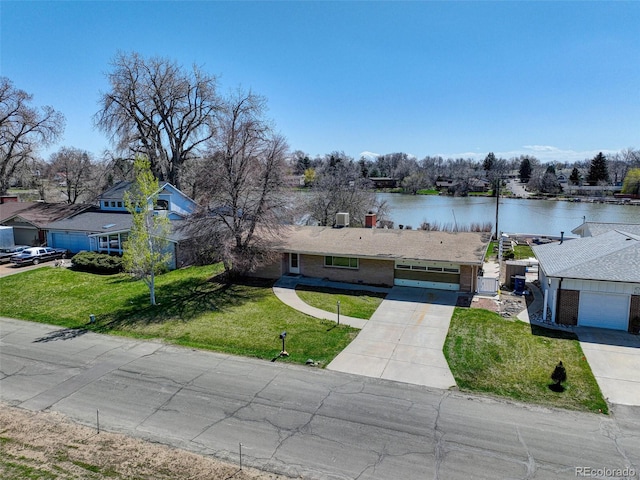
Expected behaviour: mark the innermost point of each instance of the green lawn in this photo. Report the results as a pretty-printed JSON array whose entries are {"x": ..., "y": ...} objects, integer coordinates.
[
  {"x": 489, "y": 354},
  {"x": 358, "y": 304},
  {"x": 521, "y": 252},
  {"x": 194, "y": 310}
]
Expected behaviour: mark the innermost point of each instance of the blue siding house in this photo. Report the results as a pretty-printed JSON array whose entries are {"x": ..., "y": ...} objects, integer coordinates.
[{"x": 106, "y": 228}]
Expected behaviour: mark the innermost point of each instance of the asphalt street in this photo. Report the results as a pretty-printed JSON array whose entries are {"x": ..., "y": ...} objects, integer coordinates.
[{"x": 303, "y": 421}]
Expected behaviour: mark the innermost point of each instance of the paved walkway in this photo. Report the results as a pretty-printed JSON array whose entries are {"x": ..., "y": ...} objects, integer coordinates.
[
  {"x": 403, "y": 339},
  {"x": 285, "y": 290}
]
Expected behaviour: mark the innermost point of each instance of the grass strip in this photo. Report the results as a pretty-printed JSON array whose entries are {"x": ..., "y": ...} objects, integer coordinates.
[
  {"x": 353, "y": 303},
  {"x": 507, "y": 358}
]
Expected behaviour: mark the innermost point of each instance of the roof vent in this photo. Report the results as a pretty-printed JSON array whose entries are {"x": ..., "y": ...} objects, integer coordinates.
[{"x": 342, "y": 219}]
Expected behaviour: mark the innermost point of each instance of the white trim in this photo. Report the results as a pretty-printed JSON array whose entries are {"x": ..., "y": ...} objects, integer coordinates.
[{"x": 403, "y": 282}]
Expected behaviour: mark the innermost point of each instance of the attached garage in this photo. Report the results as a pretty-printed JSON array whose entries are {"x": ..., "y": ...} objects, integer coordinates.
[
  {"x": 72, "y": 241},
  {"x": 604, "y": 310},
  {"x": 592, "y": 281},
  {"x": 440, "y": 276}
]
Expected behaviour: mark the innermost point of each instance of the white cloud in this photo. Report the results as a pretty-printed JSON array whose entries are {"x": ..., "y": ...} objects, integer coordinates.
[
  {"x": 369, "y": 155},
  {"x": 541, "y": 148}
]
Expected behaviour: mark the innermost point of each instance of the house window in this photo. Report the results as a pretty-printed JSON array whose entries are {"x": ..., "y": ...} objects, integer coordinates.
[
  {"x": 119, "y": 204},
  {"x": 113, "y": 203},
  {"x": 162, "y": 205},
  {"x": 340, "y": 262}
]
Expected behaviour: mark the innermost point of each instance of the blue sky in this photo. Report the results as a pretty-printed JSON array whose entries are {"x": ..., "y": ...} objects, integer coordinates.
[{"x": 554, "y": 79}]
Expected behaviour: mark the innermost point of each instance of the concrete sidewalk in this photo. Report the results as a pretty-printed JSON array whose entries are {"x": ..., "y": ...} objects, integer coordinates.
[{"x": 403, "y": 340}]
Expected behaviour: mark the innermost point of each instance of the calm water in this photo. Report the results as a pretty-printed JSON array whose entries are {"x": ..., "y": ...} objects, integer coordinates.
[{"x": 540, "y": 217}]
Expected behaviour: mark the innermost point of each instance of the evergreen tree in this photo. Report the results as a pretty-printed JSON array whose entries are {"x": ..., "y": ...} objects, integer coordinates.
[
  {"x": 525, "y": 170},
  {"x": 489, "y": 161},
  {"x": 598, "y": 172},
  {"x": 575, "y": 178}
]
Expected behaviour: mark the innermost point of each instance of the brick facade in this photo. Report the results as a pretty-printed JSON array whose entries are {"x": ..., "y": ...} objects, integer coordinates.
[
  {"x": 568, "y": 303},
  {"x": 468, "y": 278},
  {"x": 370, "y": 272}
]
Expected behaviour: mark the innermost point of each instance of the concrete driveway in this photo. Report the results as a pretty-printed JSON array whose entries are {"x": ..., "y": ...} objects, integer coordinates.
[
  {"x": 403, "y": 339},
  {"x": 614, "y": 357}
]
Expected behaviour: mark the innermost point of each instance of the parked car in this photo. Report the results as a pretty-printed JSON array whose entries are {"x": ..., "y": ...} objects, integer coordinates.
[
  {"x": 35, "y": 255},
  {"x": 7, "y": 253}
]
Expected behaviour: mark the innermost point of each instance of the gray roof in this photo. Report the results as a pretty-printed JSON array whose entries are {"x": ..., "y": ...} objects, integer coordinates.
[
  {"x": 593, "y": 229},
  {"x": 612, "y": 256},
  {"x": 117, "y": 191},
  {"x": 94, "y": 223},
  {"x": 390, "y": 244}
]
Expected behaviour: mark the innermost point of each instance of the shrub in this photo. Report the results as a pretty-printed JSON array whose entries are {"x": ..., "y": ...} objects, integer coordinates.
[{"x": 94, "y": 262}]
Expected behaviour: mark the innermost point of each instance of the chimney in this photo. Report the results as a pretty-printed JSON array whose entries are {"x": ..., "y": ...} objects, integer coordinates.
[
  {"x": 370, "y": 220},
  {"x": 561, "y": 237}
]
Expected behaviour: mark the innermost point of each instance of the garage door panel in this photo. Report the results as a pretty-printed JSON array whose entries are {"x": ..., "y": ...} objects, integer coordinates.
[{"x": 604, "y": 310}]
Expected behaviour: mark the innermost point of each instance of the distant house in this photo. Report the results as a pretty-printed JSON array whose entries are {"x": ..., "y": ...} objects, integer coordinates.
[
  {"x": 30, "y": 219},
  {"x": 378, "y": 256},
  {"x": 592, "y": 281},
  {"x": 384, "y": 182},
  {"x": 106, "y": 229}
]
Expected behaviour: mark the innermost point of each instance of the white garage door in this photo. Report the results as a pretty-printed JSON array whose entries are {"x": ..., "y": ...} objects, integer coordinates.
[{"x": 604, "y": 310}]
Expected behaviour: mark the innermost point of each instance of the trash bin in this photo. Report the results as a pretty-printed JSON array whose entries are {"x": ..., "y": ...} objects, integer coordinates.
[{"x": 519, "y": 284}]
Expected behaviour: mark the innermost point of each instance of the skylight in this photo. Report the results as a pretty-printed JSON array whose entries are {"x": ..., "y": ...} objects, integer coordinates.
[{"x": 104, "y": 227}]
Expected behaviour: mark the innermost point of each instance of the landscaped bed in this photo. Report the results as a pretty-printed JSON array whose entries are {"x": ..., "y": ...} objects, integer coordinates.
[
  {"x": 509, "y": 358},
  {"x": 353, "y": 303},
  {"x": 195, "y": 310}
]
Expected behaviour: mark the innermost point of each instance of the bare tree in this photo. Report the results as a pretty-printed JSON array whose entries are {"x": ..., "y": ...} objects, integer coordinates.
[
  {"x": 73, "y": 169},
  {"x": 340, "y": 187},
  {"x": 23, "y": 129},
  {"x": 156, "y": 108},
  {"x": 242, "y": 185}
]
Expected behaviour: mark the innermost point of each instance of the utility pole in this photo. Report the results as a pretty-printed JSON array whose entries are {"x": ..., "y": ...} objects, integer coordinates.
[{"x": 497, "y": 203}]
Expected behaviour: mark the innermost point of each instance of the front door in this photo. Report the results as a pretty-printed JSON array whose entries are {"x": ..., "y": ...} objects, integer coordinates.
[{"x": 294, "y": 263}]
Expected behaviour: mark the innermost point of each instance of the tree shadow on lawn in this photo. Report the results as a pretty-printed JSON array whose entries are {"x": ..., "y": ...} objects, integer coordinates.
[
  {"x": 552, "y": 333},
  {"x": 184, "y": 299}
]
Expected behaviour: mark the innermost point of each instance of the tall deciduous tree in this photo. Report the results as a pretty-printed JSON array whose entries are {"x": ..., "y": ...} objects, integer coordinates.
[
  {"x": 243, "y": 199},
  {"x": 340, "y": 187},
  {"x": 23, "y": 129},
  {"x": 145, "y": 251},
  {"x": 74, "y": 169},
  {"x": 598, "y": 171},
  {"x": 156, "y": 108},
  {"x": 631, "y": 183}
]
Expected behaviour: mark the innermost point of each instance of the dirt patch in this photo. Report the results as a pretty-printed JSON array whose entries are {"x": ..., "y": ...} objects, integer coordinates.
[
  {"x": 48, "y": 445},
  {"x": 508, "y": 306}
]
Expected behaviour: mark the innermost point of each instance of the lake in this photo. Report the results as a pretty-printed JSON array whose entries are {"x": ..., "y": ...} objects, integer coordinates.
[{"x": 538, "y": 217}]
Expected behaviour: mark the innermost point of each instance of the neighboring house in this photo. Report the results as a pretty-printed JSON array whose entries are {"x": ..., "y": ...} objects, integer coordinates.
[
  {"x": 378, "y": 256},
  {"x": 592, "y": 281},
  {"x": 591, "y": 229},
  {"x": 30, "y": 219},
  {"x": 106, "y": 229},
  {"x": 384, "y": 182}
]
